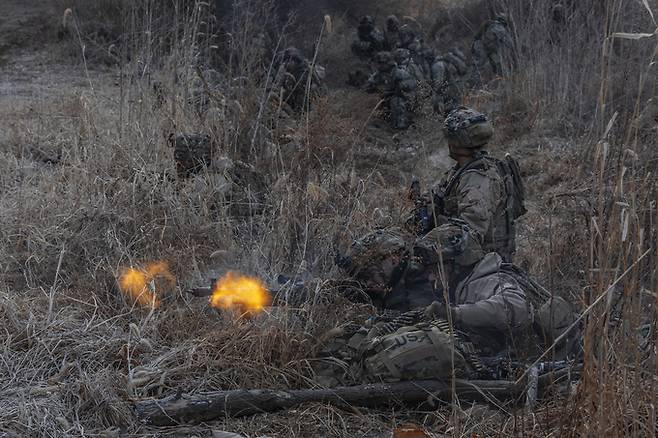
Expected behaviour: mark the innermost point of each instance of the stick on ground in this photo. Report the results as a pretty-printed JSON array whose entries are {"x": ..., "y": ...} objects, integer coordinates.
[{"x": 237, "y": 403}]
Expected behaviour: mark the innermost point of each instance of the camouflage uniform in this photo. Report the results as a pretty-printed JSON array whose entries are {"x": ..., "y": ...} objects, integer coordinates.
[
  {"x": 409, "y": 39},
  {"x": 392, "y": 39},
  {"x": 397, "y": 84},
  {"x": 382, "y": 79},
  {"x": 491, "y": 306},
  {"x": 488, "y": 306},
  {"x": 493, "y": 49},
  {"x": 404, "y": 59},
  {"x": 293, "y": 76},
  {"x": 413, "y": 42},
  {"x": 447, "y": 75},
  {"x": 428, "y": 58},
  {"x": 477, "y": 192},
  {"x": 487, "y": 302},
  {"x": 406, "y": 76},
  {"x": 394, "y": 279},
  {"x": 370, "y": 40}
]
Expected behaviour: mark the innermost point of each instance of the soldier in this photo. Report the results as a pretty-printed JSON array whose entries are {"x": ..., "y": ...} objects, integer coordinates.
[
  {"x": 493, "y": 49},
  {"x": 447, "y": 75},
  {"x": 392, "y": 277},
  {"x": 492, "y": 306},
  {"x": 397, "y": 84},
  {"x": 404, "y": 60},
  {"x": 392, "y": 33},
  {"x": 427, "y": 60},
  {"x": 399, "y": 272},
  {"x": 382, "y": 79},
  {"x": 405, "y": 78},
  {"x": 408, "y": 38},
  {"x": 484, "y": 192},
  {"x": 370, "y": 40},
  {"x": 293, "y": 79},
  {"x": 486, "y": 299}
]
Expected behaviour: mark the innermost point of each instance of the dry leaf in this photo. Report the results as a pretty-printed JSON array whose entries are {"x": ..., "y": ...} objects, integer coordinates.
[{"x": 409, "y": 432}]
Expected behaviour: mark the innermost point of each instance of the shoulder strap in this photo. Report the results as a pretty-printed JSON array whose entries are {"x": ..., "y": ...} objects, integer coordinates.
[
  {"x": 478, "y": 163},
  {"x": 510, "y": 171}
]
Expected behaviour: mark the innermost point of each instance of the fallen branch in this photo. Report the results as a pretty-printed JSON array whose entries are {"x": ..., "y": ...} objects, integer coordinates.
[{"x": 238, "y": 403}]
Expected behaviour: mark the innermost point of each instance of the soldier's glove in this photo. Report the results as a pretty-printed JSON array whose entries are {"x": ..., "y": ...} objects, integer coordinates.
[
  {"x": 426, "y": 251},
  {"x": 436, "y": 310}
]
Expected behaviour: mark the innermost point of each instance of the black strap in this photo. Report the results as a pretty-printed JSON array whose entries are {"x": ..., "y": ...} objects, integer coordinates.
[{"x": 476, "y": 163}]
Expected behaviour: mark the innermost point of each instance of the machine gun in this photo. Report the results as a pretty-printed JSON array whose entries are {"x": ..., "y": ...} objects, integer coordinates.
[
  {"x": 504, "y": 367},
  {"x": 295, "y": 292}
]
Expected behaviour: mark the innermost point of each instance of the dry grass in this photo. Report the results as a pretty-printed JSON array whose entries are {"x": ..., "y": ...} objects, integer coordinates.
[{"x": 89, "y": 187}]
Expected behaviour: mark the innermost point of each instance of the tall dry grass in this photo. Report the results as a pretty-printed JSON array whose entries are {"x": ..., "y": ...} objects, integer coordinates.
[
  {"x": 76, "y": 351},
  {"x": 594, "y": 82},
  {"x": 94, "y": 189}
]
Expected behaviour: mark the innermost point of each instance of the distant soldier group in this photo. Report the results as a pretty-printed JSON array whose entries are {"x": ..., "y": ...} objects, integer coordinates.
[{"x": 401, "y": 60}]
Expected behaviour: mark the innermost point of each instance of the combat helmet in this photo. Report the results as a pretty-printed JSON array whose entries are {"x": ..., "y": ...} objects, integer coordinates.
[
  {"x": 392, "y": 23},
  {"x": 292, "y": 54},
  {"x": 467, "y": 128},
  {"x": 452, "y": 242},
  {"x": 367, "y": 22},
  {"x": 371, "y": 251}
]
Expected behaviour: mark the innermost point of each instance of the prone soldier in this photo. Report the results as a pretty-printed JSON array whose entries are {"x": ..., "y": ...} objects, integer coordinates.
[{"x": 487, "y": 310}]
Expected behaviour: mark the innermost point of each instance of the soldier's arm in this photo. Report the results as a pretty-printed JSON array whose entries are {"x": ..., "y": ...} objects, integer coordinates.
[
  {"x": 438, "y": 74},
  {"x": 503, "y": 311},
  {"x": 373, "y": 83},
  {"x": 478, "y": 197}
]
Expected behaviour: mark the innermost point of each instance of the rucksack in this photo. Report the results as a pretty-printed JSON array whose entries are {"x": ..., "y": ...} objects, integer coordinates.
[
  {"x": 510, "y": 171},
  {"x": 552, "y": 314}
]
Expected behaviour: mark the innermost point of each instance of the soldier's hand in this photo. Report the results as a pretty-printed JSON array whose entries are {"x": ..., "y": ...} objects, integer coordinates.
[
  {"x": 436, "y": 310},
  {"x": 427, "y": 253}
]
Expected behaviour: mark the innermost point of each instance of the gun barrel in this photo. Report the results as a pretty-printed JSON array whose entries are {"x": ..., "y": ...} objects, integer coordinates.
[{"x": 200, "y": 291}]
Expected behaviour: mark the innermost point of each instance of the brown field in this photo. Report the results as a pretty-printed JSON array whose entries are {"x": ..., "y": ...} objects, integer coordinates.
[{"x": 89, "y": 189}]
